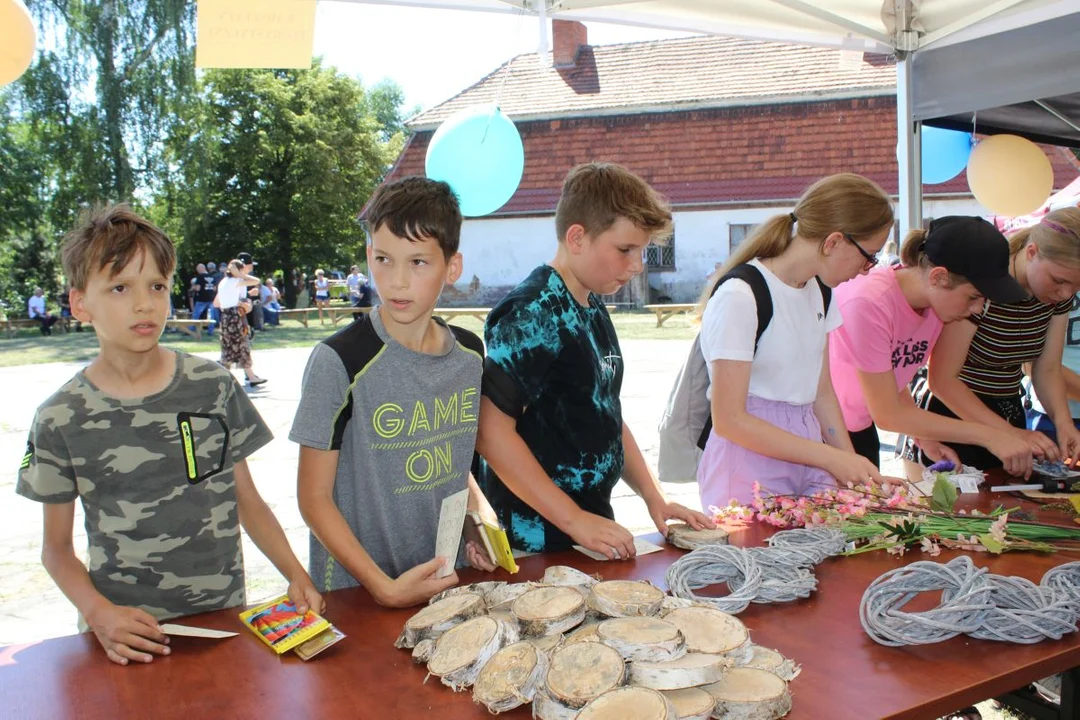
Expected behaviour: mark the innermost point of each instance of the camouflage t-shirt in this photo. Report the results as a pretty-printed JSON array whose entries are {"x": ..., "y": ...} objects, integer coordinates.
[{"x": 155, "y": 476}]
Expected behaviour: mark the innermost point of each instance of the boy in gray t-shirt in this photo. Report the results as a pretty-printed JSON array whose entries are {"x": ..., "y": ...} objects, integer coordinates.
[
  {"x": 388, "y": 414},
  {"x": 153, "y": 442}
]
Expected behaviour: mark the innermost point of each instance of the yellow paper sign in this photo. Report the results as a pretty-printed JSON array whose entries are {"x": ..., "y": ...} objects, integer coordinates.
[
  {"x": 1075, "y": 500},
  {"x": 254, "y": 33}
]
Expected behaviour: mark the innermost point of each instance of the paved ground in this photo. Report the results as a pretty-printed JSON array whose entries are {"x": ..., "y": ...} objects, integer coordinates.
[{"x": 31, "y": 607}]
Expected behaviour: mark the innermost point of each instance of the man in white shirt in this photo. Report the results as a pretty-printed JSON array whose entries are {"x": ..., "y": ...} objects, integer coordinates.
[
  {"x": 35, "y": 310},
  {"x": 359, "y": 290}
]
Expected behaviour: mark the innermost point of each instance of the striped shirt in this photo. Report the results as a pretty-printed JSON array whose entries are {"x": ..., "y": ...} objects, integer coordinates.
[{"x": 1007, "y": 337}]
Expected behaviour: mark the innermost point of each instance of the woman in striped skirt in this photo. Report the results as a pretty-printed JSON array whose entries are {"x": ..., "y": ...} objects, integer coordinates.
[{"x": 975, "y": 368}]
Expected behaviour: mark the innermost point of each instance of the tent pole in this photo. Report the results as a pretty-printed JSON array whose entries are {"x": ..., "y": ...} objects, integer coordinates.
[{"x": 909, "y": 152}]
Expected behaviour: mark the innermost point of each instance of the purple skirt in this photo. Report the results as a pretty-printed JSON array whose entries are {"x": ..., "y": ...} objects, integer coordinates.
[{"x": 728, "y": 470}]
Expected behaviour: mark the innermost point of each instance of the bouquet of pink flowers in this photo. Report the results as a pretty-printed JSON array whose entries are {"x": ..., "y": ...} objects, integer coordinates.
[{"x": 829, "y": 506}]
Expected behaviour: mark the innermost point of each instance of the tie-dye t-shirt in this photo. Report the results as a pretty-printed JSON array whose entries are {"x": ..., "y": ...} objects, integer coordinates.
[{"x": 555, "y": 365}]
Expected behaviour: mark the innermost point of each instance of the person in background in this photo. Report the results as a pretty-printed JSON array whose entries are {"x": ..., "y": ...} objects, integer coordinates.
[
  {"x": 35, "y": 310},
  {"x": 359, "y": 290},
  {"x": 255, "y": 314},
  {"x": 270, "y": 299},
  {"x": 232, "y": 301},
  {"x": 322, "y": 294},
  {"x": 65, "y": 308}
]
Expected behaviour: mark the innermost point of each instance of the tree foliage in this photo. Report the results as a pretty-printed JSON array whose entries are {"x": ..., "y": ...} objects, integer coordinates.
[{"x": 278, "y": 163}]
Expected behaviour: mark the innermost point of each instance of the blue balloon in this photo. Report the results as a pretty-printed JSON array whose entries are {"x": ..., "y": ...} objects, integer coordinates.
[
  {"x": 944, "y": 154},
  {"x": 478, "y": 151}
]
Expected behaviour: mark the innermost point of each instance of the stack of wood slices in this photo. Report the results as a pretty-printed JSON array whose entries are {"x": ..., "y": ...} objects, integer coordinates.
[{"x": 576, "y": 647}]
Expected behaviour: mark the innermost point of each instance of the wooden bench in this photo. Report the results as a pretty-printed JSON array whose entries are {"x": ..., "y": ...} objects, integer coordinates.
[
  {"x": 336, "y": 313},
  {"x": 451, "y": 313},
  {"x": 663, "y": 312},
  {"x": 192, "y": 328},
  {"x": 12, "y": 325}
]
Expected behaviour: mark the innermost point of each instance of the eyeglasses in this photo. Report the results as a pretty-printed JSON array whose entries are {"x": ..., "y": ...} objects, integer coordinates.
[{"x": 871, "y": 260}]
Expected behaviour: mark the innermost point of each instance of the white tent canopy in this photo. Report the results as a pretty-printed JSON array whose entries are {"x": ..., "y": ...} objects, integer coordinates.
[{"x": 954, "y": 57}]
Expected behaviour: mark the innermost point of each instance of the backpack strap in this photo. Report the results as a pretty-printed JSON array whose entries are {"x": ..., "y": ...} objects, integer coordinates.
[
  {"x": 762, "y": 298},
  {"x": 750, "y": 275},
  {"x": 826, "y": 294}
]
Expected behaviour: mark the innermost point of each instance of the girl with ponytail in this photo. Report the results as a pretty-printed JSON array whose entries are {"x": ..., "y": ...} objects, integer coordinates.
[
  {"x": 775, "y": 418},
  {"x": 892, "y": 319},
  {"x": 975, "y": 368}
]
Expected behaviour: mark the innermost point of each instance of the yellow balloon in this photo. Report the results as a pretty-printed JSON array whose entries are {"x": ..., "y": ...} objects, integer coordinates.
[
  {"x": 17, "y": 40},
  {"x": 1009, "y": 175}
]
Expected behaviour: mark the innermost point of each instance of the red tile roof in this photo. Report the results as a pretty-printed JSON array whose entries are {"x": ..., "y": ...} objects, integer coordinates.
[
  {"x": 733, "y": 155},
  {"x": 669, "y": 74}
]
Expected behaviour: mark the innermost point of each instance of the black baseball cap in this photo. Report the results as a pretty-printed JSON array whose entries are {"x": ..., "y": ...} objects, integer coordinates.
[
  {"x": 245, "y": 257},
  {"x": 974, "y": 249}
]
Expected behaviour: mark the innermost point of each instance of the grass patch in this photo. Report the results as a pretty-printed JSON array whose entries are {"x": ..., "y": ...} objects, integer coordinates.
[{"x": 29, "y": 347}]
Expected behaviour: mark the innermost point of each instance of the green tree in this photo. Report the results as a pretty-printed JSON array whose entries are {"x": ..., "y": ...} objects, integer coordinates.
[{"x": 278, "y": 163}]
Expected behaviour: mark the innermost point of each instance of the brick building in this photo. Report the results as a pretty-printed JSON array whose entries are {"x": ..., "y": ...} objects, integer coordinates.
[{"x": 729, "y": 130}]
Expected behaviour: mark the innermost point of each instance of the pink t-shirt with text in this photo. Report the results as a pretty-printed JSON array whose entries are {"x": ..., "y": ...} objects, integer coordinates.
[{"x": 881, "y": 332}]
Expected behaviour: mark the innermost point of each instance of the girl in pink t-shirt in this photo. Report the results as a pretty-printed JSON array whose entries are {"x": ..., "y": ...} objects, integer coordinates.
[{"x": 891, "y": 319}]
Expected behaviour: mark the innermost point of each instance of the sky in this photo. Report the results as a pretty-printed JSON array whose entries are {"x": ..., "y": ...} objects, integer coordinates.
[{"x": 434, "y": 54}]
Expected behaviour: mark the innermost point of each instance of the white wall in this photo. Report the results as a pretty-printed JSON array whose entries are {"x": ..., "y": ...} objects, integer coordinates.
[{"x": 501, "y": 252}]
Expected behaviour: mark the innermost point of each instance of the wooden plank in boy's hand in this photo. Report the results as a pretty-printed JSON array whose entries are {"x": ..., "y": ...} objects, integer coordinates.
[{"x": 451, "y": 523}]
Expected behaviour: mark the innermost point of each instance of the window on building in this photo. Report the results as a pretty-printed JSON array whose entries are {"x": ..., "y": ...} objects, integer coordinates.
[
  {"x": 737, "y": 233},
  {"x": 661, "y": 257}
]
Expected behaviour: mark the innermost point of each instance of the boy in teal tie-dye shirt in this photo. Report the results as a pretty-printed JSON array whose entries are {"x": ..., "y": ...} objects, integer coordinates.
[{"x": 551, "y": 428}]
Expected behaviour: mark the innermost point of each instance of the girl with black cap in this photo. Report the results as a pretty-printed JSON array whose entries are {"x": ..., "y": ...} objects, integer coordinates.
[
  {"x": 892, "y": 319},
  {"x": 975, "y": 369}
]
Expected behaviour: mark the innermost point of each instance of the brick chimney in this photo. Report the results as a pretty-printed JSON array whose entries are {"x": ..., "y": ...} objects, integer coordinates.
[{"x": 568, "y": 37}]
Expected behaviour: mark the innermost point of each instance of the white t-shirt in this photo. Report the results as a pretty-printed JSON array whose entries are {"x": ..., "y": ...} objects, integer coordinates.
[
  {"x": 787, "y": 366},
  {"x": 230, "y": 292},
  {"x": 35, "y": 307}
]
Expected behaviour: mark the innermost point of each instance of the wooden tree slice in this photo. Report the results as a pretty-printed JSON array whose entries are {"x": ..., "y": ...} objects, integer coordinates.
[
  {"x": 765, "y": 659},
  {"x": 629, "y": 703},
  {"x": 565, "y": 575},
  {"x": 580, "y": 672},
  {"x": 546, "y": 643},
  {"x": 691, "y": 703},
  {"x": 548, "y": 610},
  {"x": 691, "y": 670},
  {"x": 423, "y": 650},
  {"x": 504, "y": 597},
  {"x": 642, "y": 638},
  {"x": 544, "y": 707},
  {"x": 710, "y": 631},
  {"x": 625, "y": 598},
  {"x": 463, "y": 650},
  {"x": 510, "y": 678},
  {"x": 683, "y": 536},
  {"x": 483, "y": 589},
  {"x": 750, "y": 694},
  {"x": 585, "y": 633},
  {"x": 435, "y": 619}
]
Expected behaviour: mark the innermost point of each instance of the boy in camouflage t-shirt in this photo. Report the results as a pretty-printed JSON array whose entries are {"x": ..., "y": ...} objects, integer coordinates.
[{"x": 153, "y": 442}]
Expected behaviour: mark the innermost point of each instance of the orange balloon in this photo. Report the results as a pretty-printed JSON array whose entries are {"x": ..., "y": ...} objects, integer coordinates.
[{"x": 1009, "y": 175}]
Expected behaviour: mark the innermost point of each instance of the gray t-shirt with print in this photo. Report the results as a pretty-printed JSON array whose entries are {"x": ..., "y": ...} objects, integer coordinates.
[
  {"x": 156, "y": 481},
  {"x": 404, "y": 424}
]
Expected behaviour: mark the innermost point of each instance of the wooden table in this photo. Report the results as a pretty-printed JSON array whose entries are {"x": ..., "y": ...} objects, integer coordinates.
[
  {"x": 845, "y": 674},
  {"x": 663, "y": 312}
]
